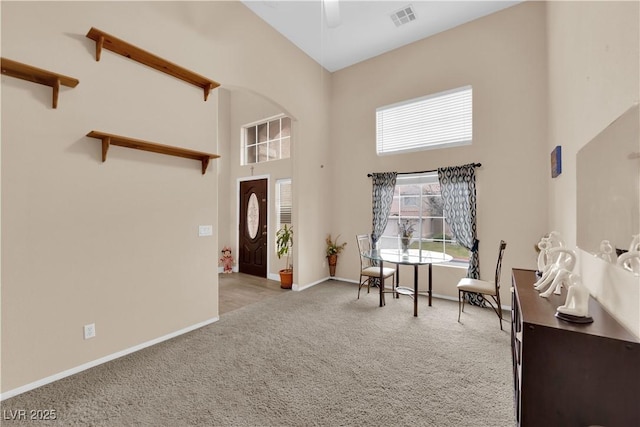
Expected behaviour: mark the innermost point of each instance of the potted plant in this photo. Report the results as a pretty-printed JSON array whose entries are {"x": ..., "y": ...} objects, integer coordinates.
[
  {"x": 333, "y": 249},
  {"x": 284, "y": 242}
]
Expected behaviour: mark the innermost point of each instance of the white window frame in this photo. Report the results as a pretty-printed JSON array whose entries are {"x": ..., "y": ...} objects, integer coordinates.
[
  {"x": 439, "y": 120},
  {"x": 392, "y": 240},
  {"x": 279, "y": 140}
]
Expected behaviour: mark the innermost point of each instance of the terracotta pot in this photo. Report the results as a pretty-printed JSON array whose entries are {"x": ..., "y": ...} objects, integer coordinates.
[
  {"x": 333, "y": 261},
  {"x": 286, "y": 279}
]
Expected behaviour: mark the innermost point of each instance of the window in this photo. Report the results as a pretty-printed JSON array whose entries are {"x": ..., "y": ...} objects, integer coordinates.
[
  {"x": 417, "y": 202},
  {"x": 439, "y": 120},
  {"x": 267, "y": 140},
  {"x": 283, "y": 202}
]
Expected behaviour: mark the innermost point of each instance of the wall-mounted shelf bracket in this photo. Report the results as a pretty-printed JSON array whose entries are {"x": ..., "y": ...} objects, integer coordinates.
[
  {"x": 123, "y": 141},
  {"x": 114, "y": 44},
  {"x": 38, "y": 75}
]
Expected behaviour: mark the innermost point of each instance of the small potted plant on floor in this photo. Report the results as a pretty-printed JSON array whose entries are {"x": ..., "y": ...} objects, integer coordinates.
[
  {"x": 284, "y": 242},
  {"x": 333, "y": 249}
]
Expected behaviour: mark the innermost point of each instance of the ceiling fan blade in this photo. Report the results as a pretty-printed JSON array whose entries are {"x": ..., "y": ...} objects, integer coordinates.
[{"x": 332, "y": 12}]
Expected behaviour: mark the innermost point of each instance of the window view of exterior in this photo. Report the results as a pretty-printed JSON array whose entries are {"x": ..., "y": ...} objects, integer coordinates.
[
  {"x": 417, "y": 214},
  {"x": 267, "y": 140}
]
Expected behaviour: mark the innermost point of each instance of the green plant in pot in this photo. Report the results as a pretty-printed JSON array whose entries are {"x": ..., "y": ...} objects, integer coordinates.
[
  {"x": 284, "y": 242},
  {"x": 333, "y": 249}
]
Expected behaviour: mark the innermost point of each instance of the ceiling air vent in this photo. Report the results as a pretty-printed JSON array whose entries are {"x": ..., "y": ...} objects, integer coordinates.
[{"x": 403, "y": 16}]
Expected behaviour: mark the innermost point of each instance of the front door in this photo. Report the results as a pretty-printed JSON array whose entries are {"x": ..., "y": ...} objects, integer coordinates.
[{"x": 253, "y": 228}]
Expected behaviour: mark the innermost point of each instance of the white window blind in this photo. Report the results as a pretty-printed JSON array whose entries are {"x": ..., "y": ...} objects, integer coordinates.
[
  {"x": 284, "y": 201},
  {"x": 439, "y": 120}
]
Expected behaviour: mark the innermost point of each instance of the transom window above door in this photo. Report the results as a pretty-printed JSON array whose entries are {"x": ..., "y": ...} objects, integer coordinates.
[{"x": 266, "y": 140}]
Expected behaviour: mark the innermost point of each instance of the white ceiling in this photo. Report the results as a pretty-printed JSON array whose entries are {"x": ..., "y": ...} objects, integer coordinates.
[{"x": 365, "y": 29}]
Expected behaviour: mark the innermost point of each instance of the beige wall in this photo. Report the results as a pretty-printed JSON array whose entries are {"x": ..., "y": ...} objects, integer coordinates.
[
  {"x": 116, "y": 243},
  {"x": 594, "y": 59},
  {"x": 503, "y": 56}
]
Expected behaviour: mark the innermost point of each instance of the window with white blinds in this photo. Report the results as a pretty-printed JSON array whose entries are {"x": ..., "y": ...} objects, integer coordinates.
[
  {"x": 284, "y": 202},
  {"x": 439, "y": 120}
]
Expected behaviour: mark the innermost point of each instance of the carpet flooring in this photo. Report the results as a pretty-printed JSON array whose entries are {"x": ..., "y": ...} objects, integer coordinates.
[{"x": 319, "y": 357}]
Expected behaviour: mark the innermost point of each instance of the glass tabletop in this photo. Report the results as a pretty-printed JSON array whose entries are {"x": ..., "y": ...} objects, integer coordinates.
[{"x": 410, "y": 257}]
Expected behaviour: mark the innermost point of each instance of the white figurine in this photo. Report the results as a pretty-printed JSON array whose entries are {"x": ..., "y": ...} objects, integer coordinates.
[
  {"x": 564, "y": 261},
  {"x": 561, "y": 279},
  {"x": 635, "y": 243},
  {"x": 543, "y": 256},
  {"x": 630, "y": 261},
  {"x": 577, "y": 303},
  {"x": 556, "y": 239},
  {"x": 605, "y": 251},
  {"x": 545, "y": 245}
]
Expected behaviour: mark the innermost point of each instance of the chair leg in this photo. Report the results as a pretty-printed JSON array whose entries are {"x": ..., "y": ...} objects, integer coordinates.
[
  {"x": 464, "y": 298},
  {"x": 499, "y": 309},
  {"x": 459, "y": 304},
  {"x": 359, "y": 287},
  {"x": 496, "y": 308}
]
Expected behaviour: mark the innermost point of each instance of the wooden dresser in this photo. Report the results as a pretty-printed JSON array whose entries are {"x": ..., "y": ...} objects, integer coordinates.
[{"x": 568, "y": 374}]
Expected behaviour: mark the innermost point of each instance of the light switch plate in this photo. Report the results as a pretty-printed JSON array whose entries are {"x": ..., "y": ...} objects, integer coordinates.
[{"x": 205, "y": 230}]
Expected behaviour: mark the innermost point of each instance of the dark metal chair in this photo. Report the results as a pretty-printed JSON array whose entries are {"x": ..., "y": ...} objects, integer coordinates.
[
  {"x": 483, "y": 287},
  {"x": 367, "y": 270}
]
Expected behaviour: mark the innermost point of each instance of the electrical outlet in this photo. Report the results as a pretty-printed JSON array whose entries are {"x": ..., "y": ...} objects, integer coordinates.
[{"x": 89, "y": 331}]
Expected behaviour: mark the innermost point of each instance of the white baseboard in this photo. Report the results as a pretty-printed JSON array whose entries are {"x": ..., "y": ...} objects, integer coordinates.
[
  {"x": 342, "y": 279},
  {"x": 105, "y": 359},
  {"x": 272, "y": 276},
  {"x": 302, "y": 288}
]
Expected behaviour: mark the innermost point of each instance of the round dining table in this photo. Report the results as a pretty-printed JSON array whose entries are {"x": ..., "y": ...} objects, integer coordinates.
[{"x": 414, "y": 257}]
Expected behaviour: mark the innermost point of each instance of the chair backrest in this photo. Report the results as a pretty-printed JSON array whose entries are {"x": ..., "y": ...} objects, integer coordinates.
[
  {"x": 364, "y": 246},
  {"x": 503, "y": 245}
]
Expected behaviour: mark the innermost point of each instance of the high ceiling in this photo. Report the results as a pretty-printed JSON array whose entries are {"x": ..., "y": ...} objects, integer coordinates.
[{"x": 359, "y": 30}]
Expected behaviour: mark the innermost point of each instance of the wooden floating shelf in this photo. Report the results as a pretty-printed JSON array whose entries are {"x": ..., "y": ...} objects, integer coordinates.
[
  {"x": 114, "y": 44},
  {"x": 123, "y": 141},
  {"x": 38, "y": 75}
]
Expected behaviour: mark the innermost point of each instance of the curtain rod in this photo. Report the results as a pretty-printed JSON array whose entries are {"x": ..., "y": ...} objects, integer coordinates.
[{"x": 475, "y": 165}]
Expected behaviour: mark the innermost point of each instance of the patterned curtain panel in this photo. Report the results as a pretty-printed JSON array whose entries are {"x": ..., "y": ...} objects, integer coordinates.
[
  {"x": 383, "y": 187},
  {"x": 458, "y": 187}
]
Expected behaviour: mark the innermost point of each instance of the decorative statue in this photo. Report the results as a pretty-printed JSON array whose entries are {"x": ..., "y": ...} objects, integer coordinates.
[
  {"x": 630, "y": 261},
  {"x": 605, "y": 251},
  {"x": 635, "y": 243},
  {"x": 556, "y": 274},
  {"x": 543, "y": 256},
  {"x": 556, "y": 239},
  {"x": 226, "y": 260},
  {"x": 577, "y": 303},
  {"x": 552, "y": 240}
]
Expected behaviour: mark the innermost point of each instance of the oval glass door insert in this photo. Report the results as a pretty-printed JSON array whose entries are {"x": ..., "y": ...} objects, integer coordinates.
[{"x": 253, "y": 216}]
